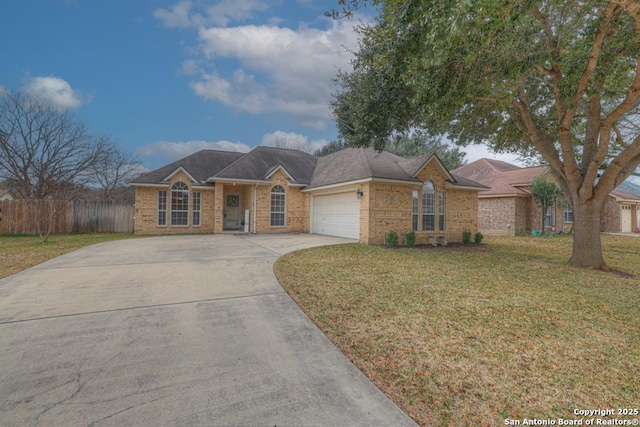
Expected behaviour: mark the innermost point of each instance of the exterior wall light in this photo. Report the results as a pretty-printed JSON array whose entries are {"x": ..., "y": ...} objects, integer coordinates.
[{"x": 359, "y": 193}]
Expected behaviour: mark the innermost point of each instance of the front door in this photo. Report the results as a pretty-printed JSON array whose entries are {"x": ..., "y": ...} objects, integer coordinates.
[{"x": 232, "y": 212}]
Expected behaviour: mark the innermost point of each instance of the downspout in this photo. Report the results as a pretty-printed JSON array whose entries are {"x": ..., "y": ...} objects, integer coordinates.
[{"x": 255, "y": 206}]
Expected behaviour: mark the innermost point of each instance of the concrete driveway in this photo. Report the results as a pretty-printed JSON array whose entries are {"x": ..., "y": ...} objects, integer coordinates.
[{"x": 183, "y": 330}]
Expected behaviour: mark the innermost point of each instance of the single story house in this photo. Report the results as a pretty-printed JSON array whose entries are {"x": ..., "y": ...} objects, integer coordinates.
[
  {"x": 356, "y": 193},
  {"x": 6, "y": 195},
  {"x": 507, "y": 207}
]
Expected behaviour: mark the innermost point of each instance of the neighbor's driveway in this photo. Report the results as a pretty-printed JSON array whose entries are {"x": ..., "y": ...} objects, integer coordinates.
[{"x": 184, "y": 330}]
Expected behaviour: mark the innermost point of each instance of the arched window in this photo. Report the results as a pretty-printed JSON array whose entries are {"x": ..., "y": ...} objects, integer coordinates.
[
  {"x": 278, "y": 206},
  {"x": 428, "y": 206},
  {"x": 180, "y": 204}
]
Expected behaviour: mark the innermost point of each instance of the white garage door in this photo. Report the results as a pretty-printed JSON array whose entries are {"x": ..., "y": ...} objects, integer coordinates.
[{"x": 337, "y": 215}]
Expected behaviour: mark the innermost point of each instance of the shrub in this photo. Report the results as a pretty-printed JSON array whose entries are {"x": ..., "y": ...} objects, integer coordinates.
[
  {"x": 466, "y": 237},
  {"x": 411, "y": 238},
  {"x": 478, "y": 237},
  {"x": 392, "y": 238}
]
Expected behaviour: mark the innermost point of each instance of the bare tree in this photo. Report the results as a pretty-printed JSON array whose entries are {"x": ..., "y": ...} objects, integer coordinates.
[
  {"x": 297, "y": 143},
  {"x": 113, "y": 169},
  {"x": 45, "y": 153}
]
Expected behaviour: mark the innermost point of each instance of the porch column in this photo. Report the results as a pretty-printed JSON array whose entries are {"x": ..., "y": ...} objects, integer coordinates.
[{"x": 218, "y": 210}]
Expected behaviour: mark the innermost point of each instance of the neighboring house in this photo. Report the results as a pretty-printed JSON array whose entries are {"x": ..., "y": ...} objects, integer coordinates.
[
  {"x": 6, "y": 195},
  {"x": 355, "y": 193},
  {"x": 507, "y": 208}
]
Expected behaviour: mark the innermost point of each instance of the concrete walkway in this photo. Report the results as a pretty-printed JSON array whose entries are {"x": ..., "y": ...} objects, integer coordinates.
[{"x": 183, "y": 330}]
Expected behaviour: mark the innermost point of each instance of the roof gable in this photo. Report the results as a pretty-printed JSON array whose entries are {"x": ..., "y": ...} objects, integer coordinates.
[
  {"x": 261, "y": 162},
  {"x": 503, "y": 179},
  {"x": 199, "y": 166}
]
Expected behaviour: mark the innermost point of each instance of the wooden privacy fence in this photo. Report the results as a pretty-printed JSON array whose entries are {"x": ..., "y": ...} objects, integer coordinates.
[{"x": 80, "y": 216}]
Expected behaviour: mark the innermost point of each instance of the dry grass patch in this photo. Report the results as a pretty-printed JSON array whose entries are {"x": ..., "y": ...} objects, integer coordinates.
[
  {"x": 21, "y": 252},
  {"x": 473, "y": 338}
]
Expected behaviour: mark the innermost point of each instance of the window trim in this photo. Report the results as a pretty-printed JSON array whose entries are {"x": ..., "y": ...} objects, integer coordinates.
[
  {"x": 162, "y": 201},
  {"x": 415, "y": 215},
  {"x": 429, "y": 209},
  {"x": 551, "y": 215},
  {"x": 196, "y": 209},
  {"x": 568, "y": 209},
  {"x": 442, "y": 213},
  {"x": 180, "y": 187},
  {"x": 282, "y": 194}
]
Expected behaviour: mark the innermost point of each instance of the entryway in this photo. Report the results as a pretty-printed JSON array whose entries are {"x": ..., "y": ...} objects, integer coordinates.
[{"x": 232, "y": 212}]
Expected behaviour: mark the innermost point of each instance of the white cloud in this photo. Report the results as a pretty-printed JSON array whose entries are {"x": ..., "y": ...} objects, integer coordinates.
[
  {"x": 170, "y": 151},
  {"x": 56, "y": 91},
  {"x": 225, "y": 11},
  {"x": 293, "y": 140},
  {"x": 282, "y": 70},
  {"x": 187, "y": 13},
  {"x": 179, "y": 16},
  {"x": 191, "y": 67}
]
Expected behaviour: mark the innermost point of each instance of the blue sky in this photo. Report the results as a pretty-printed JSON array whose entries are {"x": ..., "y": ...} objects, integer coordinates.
[{"x": 166, "y": 78}]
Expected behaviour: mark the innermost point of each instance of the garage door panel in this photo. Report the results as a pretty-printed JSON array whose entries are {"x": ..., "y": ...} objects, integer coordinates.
[{"x": 337, "y": 215}]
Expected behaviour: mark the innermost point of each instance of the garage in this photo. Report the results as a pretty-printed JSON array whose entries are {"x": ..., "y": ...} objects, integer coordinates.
[{"x": 337, "y": 215}]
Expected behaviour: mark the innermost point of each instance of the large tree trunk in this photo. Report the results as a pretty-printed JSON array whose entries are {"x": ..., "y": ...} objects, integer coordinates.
[{"x": 587, "y": 246}]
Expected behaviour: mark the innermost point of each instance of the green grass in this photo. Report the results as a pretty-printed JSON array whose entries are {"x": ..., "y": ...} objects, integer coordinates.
[
  {"x": 475, "y": 335},
  {"x": 18, "y": 252}
]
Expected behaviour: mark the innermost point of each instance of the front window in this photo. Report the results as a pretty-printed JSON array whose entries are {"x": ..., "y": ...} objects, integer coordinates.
[
  {"x": 162, "y": 207},
  {"x": 180, "y": 204},
  {"x": 278, "y": 206},
  {"x": 441, "y": 211},
  {"x": 568, "y": 212},
  {"x": 428, "y": 207},
  {"x": 415, "y": 211},
  {"x": 196, "y": 207},
  {"x": 548, "y": 217}
]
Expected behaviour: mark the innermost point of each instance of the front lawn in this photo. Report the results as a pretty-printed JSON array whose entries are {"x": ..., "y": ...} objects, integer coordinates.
[
  {"x": 477, "y": 336},
  {"x": 20, "y": 252}
]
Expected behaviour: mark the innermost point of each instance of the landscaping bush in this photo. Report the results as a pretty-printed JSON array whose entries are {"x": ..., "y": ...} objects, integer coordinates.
[
  {"x": 466, "y": 237},
  {"x": 478, "y": 237},
  {"x": 392, "y": 238},
  {"x": 410, "y": 238}
]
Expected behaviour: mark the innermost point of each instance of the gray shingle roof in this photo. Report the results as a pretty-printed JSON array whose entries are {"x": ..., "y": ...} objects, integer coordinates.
[
  {"x": 201, "y": 165},
  {"x": 258, "y": 163},
  {"x": 351, "y": 164}
]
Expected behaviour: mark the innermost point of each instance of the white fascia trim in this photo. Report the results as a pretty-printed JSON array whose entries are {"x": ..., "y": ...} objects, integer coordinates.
[
  {"x": 181, "y": 169},
  {"x": 360, "y": 181},
  {"x": 244, "y": 181},
  {"x": 296, "y": 185},
  {"x": 204, "y": 187},
  {"x": 149, "y": 185},
  {"x": 452, "y": 186},
  {"x": 280, "y": 167}
]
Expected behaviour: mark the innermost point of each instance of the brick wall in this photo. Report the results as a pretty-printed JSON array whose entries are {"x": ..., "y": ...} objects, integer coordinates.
[
  {"x": 497, "y": 216},
  {"x": 385, "y": 207},
  {"x": 297, "y": 207},
  {"x": 611, "y": 216},
  {"x": 146, "y": 209}
]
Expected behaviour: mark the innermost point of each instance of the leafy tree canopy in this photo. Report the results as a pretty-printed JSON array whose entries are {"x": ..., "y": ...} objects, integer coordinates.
[{"x": 560, "y": 78}]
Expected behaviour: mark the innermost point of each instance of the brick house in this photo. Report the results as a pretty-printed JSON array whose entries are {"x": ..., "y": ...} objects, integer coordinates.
[
  {"x": 507, "y": 208},
  {"x": 354, "y": 193}
]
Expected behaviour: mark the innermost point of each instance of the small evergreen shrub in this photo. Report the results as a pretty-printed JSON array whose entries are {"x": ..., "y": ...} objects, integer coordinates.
[
  {"x": 478, "y": 237},
  {"x": 392, "y": 238},
  {"x": 411, "y": 238},
  {"x": 466, "y": 237}
]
